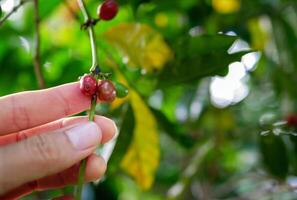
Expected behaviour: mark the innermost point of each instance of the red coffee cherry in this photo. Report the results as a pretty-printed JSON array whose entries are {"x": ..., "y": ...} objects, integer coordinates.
[
  {"x": 107, "y": 10},
  {"x": 292, "y": 120},
  {"x": 106, "y": 91},
  {"x": 88, "y": 85}
]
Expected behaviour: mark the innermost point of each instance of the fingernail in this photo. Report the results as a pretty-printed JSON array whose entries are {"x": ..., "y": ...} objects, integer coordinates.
[
  {"x": 84, "y": 135},
  {"x": 116, "y": 131}
]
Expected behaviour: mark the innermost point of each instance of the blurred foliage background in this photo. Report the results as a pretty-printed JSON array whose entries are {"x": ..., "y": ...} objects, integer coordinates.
[{"x": 210, "y": 113}]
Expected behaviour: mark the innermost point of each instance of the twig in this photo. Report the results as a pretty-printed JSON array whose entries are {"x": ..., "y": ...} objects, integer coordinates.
[
  {"x": 95, "y": 70},
  {"x": 14, "y": 9},
  {"x": 36, "y": 59},
  {"x": 87, "y": 18},
  {"x": 82, "y": 168}
]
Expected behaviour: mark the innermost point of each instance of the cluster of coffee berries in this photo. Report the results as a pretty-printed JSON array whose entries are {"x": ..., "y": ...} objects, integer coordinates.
[
  {"x": 106, "y": 91},
  {"x": 107, "y": 10}
]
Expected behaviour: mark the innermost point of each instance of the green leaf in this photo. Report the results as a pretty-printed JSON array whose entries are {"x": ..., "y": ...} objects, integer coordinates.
[
  {"x": 198, "y": 57},
  {"x": 123, "y": 141},
  {"x": 173, "y": 130},
  {"x": 209, "y": 44},
  {"x": 274, "y": 154}
]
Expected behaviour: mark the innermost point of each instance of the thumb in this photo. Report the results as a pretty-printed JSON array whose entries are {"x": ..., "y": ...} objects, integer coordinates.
[{"x": 46, "y": 154}]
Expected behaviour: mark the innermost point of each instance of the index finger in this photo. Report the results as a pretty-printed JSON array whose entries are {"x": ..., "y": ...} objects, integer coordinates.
[{"x": 33, "y": 108}]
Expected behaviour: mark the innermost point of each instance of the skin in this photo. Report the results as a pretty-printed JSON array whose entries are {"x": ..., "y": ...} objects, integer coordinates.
[{"x": 34, "y": 147}]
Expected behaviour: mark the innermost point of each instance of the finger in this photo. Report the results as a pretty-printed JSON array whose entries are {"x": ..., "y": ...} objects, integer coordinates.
[
  {"x": 46, "y": 154},
  {"x": 29, "y": 109},
  {"x": 106, "y": 125},
  {"x": 95, "y": 169}
]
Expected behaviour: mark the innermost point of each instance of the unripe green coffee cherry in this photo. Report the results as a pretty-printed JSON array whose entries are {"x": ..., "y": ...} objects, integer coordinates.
[{"x": 121, "y": 90}]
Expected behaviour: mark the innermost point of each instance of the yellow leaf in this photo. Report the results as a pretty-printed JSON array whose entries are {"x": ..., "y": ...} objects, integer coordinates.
[
  {"x": 260, "y": 34},
  {"x": 142, "y": 159},
  {"x": 226, "y": 6},
  {"x": 118, "y": 102},
  {"x": 140, "y": 45}
]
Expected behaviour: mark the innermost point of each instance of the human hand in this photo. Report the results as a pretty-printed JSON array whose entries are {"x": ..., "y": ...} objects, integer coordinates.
[{"x": 39, "y": 148}]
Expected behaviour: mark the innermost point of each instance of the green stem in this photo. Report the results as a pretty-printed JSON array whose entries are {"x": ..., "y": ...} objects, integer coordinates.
[
  {"x": 36, "y": 57},
  {"x": 94, "y": 49},
  {"x": 81, "y": 177},
  {"x": 82, "y": 168},
  {"x": 92, "y": 37},
  {"x": 93, "y": 105},
  {"x": 94, "y": 70}
]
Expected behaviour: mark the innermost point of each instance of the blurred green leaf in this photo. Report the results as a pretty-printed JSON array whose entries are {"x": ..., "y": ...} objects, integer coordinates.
[
  {"x": 274, "y": 154},
  {"x": 293, "y": 139},
  {"x": 198, "y": 57},
  {"x": 173, "y": 130},
  {"x": 123, "y": 141}
]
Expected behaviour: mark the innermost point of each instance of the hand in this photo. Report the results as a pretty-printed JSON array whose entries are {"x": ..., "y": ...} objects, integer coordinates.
[{"x": 39, "y": 148}]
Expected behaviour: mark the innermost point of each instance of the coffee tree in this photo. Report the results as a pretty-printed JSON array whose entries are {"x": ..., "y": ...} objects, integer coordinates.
[{"x": 203, "y": 91}]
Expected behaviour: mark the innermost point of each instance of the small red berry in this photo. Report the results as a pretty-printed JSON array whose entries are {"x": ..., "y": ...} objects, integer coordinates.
[
  {"x": 106, "y": 91},
  {"x": 88, "y": 85},
  {"x": 292, "y": 120},
  {"x": 107, "y": 10}
]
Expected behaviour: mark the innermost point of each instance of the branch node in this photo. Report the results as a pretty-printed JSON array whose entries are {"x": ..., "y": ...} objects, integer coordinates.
[{"x": 90, "y": 22}]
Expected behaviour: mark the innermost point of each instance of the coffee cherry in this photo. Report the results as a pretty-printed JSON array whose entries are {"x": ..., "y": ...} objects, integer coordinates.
[
  {"x": 292, "y": 120},
  {"x": 107, "y": 10},
  {"x": 106, "y": 91},
  {"x": 121, "y": 90},
  {"x": 88, "y": 85}
]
